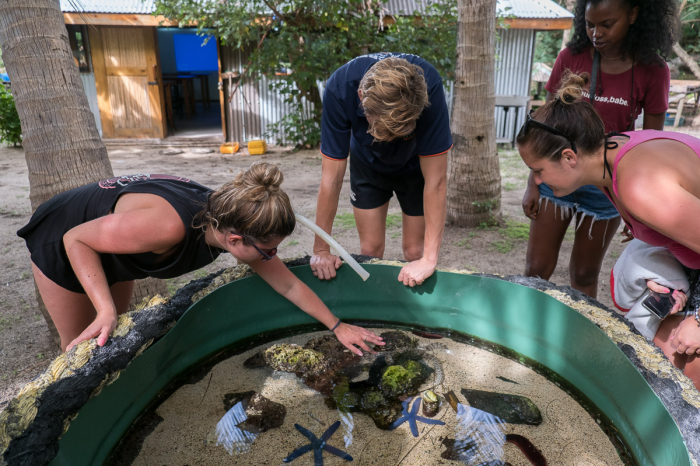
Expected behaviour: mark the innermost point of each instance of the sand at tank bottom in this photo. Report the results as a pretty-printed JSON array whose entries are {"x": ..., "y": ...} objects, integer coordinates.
[{"x": 568, "y": 435}]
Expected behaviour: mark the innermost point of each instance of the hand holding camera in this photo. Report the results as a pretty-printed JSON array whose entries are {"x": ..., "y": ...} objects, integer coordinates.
[{"x": 662, "y": 301}]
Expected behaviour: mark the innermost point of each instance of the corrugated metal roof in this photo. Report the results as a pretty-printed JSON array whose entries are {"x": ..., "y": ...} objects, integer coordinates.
[
  {"x": 517, "y": 8},
  {"x": 532, "y": 9},
  {"x": 141, "y": 7}
]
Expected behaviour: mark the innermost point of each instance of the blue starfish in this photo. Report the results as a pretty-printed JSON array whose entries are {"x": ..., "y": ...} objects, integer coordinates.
[
  {"x": 412, "y": 417},
  {"x": 318, "y": 445}
]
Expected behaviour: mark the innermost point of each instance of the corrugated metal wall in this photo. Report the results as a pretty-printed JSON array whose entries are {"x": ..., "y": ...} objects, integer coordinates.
[
  {"x": 515, "y": 51},
  {"x": 255, "y": 106},
  {"x": 88, "y": 80}
]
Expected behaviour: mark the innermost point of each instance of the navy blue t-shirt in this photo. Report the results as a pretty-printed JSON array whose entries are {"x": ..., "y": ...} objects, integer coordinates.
[{"x": 344, "y": 126}]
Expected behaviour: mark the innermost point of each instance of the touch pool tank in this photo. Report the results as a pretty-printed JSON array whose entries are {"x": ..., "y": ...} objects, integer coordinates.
[{"x": 516, "y": 321}]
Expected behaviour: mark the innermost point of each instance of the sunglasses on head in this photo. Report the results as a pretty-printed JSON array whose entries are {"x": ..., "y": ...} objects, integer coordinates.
[
  {"x": 266, "y": 254},
  {"x": 539, "y": 124}
]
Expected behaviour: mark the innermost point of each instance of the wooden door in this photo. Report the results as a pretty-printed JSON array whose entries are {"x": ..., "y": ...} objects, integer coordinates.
[{"x": 128, "y": 81}]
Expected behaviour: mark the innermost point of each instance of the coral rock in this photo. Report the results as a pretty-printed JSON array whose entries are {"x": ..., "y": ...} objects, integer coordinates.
[
  {"x": 262, "y": 413},
  {"x": 293, "y": 358},
  {"x": 513, "y": 409}
]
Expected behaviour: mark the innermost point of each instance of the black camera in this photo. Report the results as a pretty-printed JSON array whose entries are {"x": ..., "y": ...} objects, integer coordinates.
[{"x": 659, "y": 304}]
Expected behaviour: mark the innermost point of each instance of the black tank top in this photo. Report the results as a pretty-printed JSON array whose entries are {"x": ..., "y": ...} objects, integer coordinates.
[{"x": 44, "y": 232}]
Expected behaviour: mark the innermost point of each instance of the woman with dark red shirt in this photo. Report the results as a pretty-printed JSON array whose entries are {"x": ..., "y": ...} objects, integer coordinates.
[{"x": 618, "y": 43}]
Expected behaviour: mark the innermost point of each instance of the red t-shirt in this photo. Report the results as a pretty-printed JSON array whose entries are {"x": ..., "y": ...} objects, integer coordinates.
[{"x": 651, "y": 85}]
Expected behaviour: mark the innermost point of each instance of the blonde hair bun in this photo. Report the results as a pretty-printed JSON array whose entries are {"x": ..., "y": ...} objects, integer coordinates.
[
  {"x": 259, "y": 181},
  {"x": 253, "y": 204},
  {"x": 572, "y": 86}
]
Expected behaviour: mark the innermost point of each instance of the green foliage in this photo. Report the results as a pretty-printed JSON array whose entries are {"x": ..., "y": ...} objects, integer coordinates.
[
  {"x": 690, "y": 33},
  {"x": 516, "y": 230},
  {"x": 10, "y": 126},
  {"x": 485, "y": 206},
  {"x": 345, "y": 220},
  {"x": 304, "y": 41},
  {"x": 394, "y": 220},
  {"x": 464, "y": 243},
  {"x": 548, "y": 43},
  {"x": 513, "y": 232},
  {"x": 503, "y": 246},
  {"x": 547, "y": 46}
]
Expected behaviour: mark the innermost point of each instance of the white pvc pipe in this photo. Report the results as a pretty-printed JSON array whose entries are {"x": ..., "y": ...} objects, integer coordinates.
[{"x": 334, "y": 244}]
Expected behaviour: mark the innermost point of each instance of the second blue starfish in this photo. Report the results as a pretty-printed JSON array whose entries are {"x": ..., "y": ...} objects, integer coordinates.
[
  {"x": 318, "y": 445},
  {"x": 412, "y": 417}
]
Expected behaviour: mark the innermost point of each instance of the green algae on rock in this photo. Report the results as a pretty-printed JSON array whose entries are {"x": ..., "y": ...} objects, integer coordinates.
[
  {"x": 398, "y": 379},
  {"x": 294, "y": 358},
  {"x": 373, "y": 399},
  {"x": 513, "y": 409}
]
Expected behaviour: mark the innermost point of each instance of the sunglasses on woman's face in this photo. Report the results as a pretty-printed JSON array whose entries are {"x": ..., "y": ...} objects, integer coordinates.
[
  {"x": 539, "y": 124},
  {"x": 267, "y": 254}
]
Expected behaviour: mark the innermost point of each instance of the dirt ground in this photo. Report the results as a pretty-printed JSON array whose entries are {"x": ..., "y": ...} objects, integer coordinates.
[{"x": 26, "y": 348}]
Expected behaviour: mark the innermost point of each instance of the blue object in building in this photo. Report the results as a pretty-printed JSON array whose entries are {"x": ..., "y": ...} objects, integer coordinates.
[{"x": 192, "y": 54}]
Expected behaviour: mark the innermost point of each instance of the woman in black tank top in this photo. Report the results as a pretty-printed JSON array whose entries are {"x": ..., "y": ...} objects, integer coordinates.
[{"x": 89, "y": 244}]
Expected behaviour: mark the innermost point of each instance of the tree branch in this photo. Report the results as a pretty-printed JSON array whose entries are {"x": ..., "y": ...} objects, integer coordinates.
[
  {"x": 250, "y": 62},
  {"x": 687, "y": 59},
  {"x": 279, "y": 15}
]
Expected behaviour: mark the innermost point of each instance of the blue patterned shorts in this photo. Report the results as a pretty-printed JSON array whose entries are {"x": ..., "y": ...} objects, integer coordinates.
[{"x": 587, "y": 200}]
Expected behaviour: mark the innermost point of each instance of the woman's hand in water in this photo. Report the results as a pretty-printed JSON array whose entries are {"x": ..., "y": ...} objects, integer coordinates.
[
  {"x": 350, "y": 335},
  {"x": 531, "y": 201},
  {"x": 101, "y": 327}
]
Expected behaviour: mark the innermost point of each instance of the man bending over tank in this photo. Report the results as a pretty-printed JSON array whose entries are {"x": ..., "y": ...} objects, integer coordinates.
[{"x": 387, "y": 113}]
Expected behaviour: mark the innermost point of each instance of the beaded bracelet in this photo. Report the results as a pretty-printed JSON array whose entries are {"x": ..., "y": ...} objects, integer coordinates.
[{"x": 336, "y": 325}]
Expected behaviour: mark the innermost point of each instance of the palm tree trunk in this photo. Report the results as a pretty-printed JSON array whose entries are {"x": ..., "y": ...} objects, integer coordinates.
[
  {"x": 61, "y": 143},
  {"x": 62, "y": 146},
  {"x": 474, "y": 179}
]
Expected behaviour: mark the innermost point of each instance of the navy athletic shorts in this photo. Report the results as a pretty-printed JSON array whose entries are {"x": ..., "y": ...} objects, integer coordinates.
[{"x": 371, "y": 189}]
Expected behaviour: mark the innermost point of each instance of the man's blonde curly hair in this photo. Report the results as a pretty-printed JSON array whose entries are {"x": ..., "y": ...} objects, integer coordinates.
[{"x": 394, "y": 94}]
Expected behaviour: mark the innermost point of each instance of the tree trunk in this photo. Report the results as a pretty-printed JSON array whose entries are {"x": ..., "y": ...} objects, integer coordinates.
[
  {"x": 61, "y": 143},
  {"x": 567, "y": 33},
  {"x": 62, "y": 146},
  {"x": 687, "y": 59},
  {"x": 474, "y": 179}
]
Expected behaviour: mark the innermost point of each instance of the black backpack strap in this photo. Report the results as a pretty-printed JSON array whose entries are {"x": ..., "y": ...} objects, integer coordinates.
[{"x": 594, "y": 76}]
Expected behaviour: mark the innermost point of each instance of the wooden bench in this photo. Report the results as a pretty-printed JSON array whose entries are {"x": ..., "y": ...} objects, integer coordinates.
[{"x": 680, "y": 91}]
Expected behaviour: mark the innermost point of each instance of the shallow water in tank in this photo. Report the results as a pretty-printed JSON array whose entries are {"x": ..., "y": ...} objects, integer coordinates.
[{"x": 208, "y": 421}]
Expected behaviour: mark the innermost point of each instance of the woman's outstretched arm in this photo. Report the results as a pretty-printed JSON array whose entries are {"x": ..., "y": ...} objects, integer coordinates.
[{"x": 283, "y": 281}]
